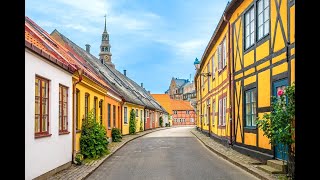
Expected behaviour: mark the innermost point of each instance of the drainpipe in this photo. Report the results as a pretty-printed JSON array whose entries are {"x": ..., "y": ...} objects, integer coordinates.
[
  {"x": 230, "y": 81},
  {"x": 80, "y": 71}
]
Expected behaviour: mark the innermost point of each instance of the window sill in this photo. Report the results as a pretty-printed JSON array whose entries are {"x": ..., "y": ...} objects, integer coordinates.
[
  {"x": 221, "y": 126},
  {"x": 109, "y": 128},
  {"x": 251, "y": 129},
  {"x": 41, "y": 135},
  {"x": 78, "y": 131},
  {"x": 222, "y": 70},
  {"x": 63, "y": 132}
]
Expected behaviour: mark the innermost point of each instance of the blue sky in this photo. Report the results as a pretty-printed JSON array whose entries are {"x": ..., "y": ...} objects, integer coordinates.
[{"x": 154, "y": 40}]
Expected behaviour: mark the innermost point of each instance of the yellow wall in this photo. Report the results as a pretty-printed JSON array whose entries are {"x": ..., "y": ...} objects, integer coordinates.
[
  {"x": 88, "y": 86},
  {"x": 125, "y": 126}
]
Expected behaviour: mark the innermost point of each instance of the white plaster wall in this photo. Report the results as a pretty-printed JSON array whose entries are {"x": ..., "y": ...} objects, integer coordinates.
[{"x": 47, "y": 153}]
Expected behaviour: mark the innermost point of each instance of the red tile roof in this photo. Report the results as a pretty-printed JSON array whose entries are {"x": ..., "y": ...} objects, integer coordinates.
[
  {"x": 39, "y": 38},
  {"x": 171, "y": 104}
]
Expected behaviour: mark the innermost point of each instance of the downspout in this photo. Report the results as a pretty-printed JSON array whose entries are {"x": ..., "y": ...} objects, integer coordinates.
[
  {"x": 230, "y": 81},
  {"x": 80, "y": 71}
]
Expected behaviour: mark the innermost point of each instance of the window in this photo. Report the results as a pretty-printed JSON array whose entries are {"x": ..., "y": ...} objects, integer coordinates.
[
  {"x": 208, "y": 71},
  {"x": 224, "y": 105},
  {"x": 224, "y": 53},
  {"x": 41, "y": 106},
  {"x": 213, "y": 112},
  {"x": 249, "y": 28},
  {"x": 77, "y": 109},
  {"x": 101, "y": 108},
  {"x": 86, "y": 106},
  {"x": 137, "y": 113},
  {"x": 250, "y": 108},
  {"x": 109, "y": 116},
  {"x": 147, "y": 113},
  {"x": 219, "y": 58},
  {"x": 213, "y": 70},
  {"x": 63, "y": 108},
  {"x": 175, "y": 112},
  {"x": 114, "y": 116},
  {"x": 220, "y": 112},
  {"x": 125, "y": 115},
  {"x": 95, "y": 100},
  {"x": 187, "y": 112},
  {"x": 191, "y": 120},
  {"x": 263, "y": 18}
]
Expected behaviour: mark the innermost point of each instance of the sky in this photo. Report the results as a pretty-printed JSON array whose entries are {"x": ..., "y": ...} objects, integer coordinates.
[{"x": 154, "y": 40}]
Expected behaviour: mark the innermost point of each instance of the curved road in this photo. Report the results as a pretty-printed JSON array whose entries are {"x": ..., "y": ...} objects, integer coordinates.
[{"x": 167, "y": 154}]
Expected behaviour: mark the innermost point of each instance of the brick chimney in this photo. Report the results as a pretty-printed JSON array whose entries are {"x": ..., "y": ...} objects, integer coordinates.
[
  {"x": 141, "y": 84},
  {"x": 125, "y": 72}
]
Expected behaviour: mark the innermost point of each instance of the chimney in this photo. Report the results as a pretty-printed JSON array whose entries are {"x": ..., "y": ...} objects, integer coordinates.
[
  {"x": 141, "y": 84},
  {"x": 149, "y": 92},
  {"x": 88, "y": 48},
  {"x": 125, "y": 72}
]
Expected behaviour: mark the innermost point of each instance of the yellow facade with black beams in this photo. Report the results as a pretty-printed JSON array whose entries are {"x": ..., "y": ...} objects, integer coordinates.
[{"x": 262, "y": 58}]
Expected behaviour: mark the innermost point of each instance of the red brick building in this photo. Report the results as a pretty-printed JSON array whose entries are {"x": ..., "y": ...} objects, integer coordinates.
[{"x": 183, "y": 113}]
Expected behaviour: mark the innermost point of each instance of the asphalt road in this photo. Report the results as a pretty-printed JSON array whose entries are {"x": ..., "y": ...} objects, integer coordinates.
[{"x": 169, "y": 154}]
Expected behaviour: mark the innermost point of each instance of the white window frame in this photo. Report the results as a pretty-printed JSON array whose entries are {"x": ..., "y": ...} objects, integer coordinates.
[
  {"x": 264, "y": 22},
  {"x": 213, "y": 68},
  {"x": 224, "y": 115},
  {"x": 220, "y": 112},
  {"x": 224, "y": 53},
  {"x": 249, "y": 22}
]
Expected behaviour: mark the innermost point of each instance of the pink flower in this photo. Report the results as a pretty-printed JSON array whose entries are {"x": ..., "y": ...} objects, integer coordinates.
[{"x": 280, "y": 92}]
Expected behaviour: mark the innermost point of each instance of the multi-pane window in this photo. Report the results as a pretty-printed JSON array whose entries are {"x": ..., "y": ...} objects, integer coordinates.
[
  {"x": 101, "y": 108},
  {"x": 249, "y": 28},
  {"x": 77, "y": 109},
  {"x": 109, "y": 115},
  {"x": 213, "y": 68},
  {"x": 125, "y": 118},
  {"x": 263, "y": 18},
  {"x": 41, "y": 106},
  {"x": 114, "y": 116},
  {"x": 187, "y": 112},
  {"x": 224, "y": 53},
  {"x": 224, "y": 111},
  {"x": 95, "y": 100},
  {"x": 86, "y": 105},
  {"x": 250, "y": 108},
  {"x": 208, "y": 71},
  {"x": 220, "y": 112},
  {"x": 63, "y": 108},
  {"x": 213, "y": 112}
]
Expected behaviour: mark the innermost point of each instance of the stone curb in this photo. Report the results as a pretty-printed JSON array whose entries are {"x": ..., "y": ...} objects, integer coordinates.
[
  {"x": 109, "y": 155},
  {"x": 231, "y": 160}
]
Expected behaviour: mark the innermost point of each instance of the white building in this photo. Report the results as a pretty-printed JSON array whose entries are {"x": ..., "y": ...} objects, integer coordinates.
[{"x": 48, "y": 130}]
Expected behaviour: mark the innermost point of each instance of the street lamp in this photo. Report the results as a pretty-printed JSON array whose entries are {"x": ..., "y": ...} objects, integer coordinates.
[{"x": 208, "y": 74}]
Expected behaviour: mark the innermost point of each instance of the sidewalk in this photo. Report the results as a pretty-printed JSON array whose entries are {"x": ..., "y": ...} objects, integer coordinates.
[
  {"x": 84, "y": 170},
  {"x": 245, "y": 162}
]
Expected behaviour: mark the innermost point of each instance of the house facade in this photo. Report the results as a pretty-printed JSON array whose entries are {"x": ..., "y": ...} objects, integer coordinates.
[
  {"x": 260, "y": 60},
  {"x": 48, "y": 107}
]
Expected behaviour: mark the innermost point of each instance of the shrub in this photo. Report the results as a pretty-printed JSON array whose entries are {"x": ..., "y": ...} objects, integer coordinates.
[
  {"x": 167, "y": 125},
  {"x": 161, "y": 121},
  {"x": 93, "y": 140},
  {"x": 132, "y": 122},
  {"x": 141, "y": 124},
  {"x": 79, "y": 158},
  {"x": 116, "y": 135}
]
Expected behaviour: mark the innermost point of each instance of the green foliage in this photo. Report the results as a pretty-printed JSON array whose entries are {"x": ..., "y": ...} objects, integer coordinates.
[
  {"x": 141, "y": 126},
  {"x": 161, "y": 121},
  {"x": 132, "y": 122},
  {"x": 167, "y": 124},
  {"x": 79, "y": 158},
  {"x": 93, "y": 140},
  {"x": 278, "y": 125},
  {"x": 116, "y": 135}
]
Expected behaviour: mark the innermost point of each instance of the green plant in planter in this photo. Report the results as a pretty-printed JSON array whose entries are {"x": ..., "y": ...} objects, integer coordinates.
[
  {"x": 79, "y": 159},
  {"x": 93, "y": 140},
  {"x": 116, "y": 135},
  {"x": 132, "y": 122},
  {"x": 161, "y": 121}
]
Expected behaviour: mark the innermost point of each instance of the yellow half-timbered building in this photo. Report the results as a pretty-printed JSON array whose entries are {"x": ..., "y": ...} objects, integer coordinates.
[{"x": 260, "y": 49}]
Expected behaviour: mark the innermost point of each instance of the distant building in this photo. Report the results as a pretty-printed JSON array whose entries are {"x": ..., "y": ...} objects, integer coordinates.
[{"x": 182, "y": 89}]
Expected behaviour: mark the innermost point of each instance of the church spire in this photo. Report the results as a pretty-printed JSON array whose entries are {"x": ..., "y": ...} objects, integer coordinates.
[{"x": 105, "y": 23}]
